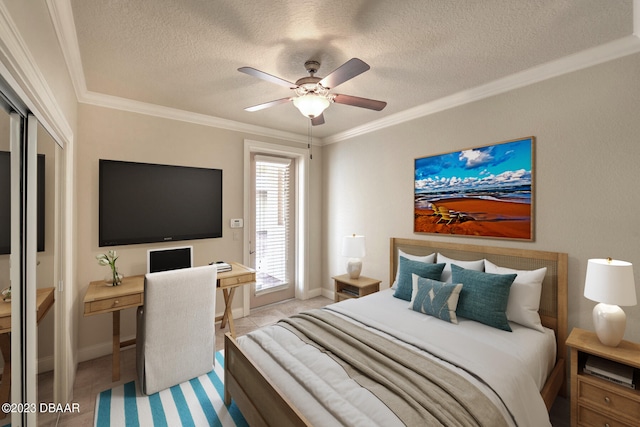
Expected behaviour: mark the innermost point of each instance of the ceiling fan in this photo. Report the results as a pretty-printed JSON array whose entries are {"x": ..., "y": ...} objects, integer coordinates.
[{"x": 313, "y": 94}]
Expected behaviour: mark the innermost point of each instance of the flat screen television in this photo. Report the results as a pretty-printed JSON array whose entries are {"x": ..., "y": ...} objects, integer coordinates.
[
  {"x": 169, "y": 259},
  {"x": 5, "y": 202},
  {"x": 145, "y": 203}
]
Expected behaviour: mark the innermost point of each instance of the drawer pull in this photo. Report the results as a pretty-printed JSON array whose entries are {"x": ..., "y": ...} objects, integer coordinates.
[
  {"x": 607, "y": 401},
  {"x": 116, "y": 302},
  {"x": 606, "y": 425}
]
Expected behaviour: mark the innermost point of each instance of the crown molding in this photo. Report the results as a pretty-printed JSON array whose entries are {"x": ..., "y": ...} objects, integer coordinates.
[
  {"x": 65, "y": 28},
  {"x": 64, "y": 24},
  {"x": 118, "y": 103},
  {"x": 27, "y": 80},
  {"x": 606, "y": 52}
]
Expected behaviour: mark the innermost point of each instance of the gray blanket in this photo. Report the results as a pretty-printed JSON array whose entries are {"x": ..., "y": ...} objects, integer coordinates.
[{"x": 418, "y": 390}]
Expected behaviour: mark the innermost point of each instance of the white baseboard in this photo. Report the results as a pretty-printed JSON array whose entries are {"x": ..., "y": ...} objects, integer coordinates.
[
  {"x": 99, "y": 350},
  {"x": 105, "y": 348},
  {"x": 328, "y": 293},
  {"x": 314, "y": 293},
  {"x": 46, "y": 364}
]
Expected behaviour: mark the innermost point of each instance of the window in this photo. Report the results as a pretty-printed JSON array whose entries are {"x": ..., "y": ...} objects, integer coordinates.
[{"x": 273, "y": 222}]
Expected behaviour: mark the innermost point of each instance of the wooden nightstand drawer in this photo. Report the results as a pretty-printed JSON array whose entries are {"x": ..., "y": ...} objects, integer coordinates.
[
  {"x": 591, "y": 418},
  {"x": 115, "y": 303},
  {"x": 609, "y": 399}
]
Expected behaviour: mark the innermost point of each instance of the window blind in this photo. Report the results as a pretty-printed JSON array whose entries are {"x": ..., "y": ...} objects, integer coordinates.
[{"x": 272, "y": 221}]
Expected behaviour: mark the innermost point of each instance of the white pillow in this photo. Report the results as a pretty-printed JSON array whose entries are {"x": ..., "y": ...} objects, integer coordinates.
[
  {"x": 524, "y": 298},
  {"x": 469, "y": 265},
  {"x": 422, "y": 258}
]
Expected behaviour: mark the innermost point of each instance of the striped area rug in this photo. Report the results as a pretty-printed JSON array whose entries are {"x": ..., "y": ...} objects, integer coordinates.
[{"x": 198, "y": 402}]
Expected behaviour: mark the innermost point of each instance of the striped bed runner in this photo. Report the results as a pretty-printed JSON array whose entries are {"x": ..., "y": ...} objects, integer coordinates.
[{"x": 198, "y": 402}]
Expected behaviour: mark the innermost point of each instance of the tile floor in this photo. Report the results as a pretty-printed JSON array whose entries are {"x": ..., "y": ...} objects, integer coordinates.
[{"x": 94, "y": 376}]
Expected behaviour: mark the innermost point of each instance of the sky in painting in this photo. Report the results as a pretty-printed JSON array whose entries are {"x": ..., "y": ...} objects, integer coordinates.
[{"x": 494, "y": 165}]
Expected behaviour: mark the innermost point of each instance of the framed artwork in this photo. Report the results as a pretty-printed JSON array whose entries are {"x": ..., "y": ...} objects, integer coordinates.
[{"x": 485, "y": 191}]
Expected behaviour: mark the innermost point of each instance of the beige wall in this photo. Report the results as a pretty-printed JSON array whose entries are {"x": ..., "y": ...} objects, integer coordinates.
[
  {"x": 587, "y": 126},
  {"x": 118, "y": 135}
]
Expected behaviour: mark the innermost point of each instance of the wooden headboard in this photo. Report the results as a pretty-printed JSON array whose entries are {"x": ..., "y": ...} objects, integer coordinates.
[{"x": 553, "y": 301}]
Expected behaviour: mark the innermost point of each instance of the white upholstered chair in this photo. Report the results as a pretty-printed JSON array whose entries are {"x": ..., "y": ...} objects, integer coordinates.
[{"x": 176, "y": 331}]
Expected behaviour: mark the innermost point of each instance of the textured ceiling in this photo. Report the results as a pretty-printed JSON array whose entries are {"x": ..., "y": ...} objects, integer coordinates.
[{"x": 185, "y": 54}]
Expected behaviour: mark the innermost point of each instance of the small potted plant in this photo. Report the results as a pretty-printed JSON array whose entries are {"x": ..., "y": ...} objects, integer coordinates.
[
  {"x": 115, "y": 278},
  {"x": 6, "y": 294}
]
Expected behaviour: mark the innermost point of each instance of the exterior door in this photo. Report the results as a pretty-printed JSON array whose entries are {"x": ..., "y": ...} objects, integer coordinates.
[{"x": 272, "y": 228}]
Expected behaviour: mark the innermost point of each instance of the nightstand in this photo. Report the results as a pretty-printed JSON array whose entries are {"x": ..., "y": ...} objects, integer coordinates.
[
  {"x": 595, "y": 401},
  {"x": 345, "y": 287}
]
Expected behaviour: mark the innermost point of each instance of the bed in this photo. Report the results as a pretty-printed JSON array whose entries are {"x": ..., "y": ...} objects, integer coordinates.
[{"x": 277, "y": 376}]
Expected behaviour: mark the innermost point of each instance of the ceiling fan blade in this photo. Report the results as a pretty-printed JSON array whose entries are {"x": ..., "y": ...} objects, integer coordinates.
[
  {"x": 318, "y": 120},
  {"x": 345, "y": 72},
  {"x": 268, "y": 77},
  {"x": 356, "y": 101},
  {"x": 267, "y": 104}
]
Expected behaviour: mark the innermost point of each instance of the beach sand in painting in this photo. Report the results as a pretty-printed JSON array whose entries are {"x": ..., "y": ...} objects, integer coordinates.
[{"x": 478, "y": 217}]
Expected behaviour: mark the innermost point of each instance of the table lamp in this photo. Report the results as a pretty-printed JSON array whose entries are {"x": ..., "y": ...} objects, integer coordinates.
[
  {"x": 353, "y": 248},
  {"x": 610, "y": 283}
]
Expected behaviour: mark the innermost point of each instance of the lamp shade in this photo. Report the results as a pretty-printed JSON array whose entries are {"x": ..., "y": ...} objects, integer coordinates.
[
  {"x": 353, "y": 246},
  {"x": 610, "y": 282},
  {"x": 311, "y": 105}
]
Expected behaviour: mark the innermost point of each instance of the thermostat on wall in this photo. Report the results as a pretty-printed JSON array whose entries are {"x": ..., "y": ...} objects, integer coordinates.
[{"x": 236, "y": 223}]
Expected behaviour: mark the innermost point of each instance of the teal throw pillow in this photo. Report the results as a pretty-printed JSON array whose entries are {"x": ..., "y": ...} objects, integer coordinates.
[
  {"x": 437, "y": 299},
  {"x": 409, "y": 267},
  {"x": 484, "y": 296}
]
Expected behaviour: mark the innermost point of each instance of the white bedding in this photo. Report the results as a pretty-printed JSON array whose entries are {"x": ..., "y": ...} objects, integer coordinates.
[{"x": 515, "y": 364}]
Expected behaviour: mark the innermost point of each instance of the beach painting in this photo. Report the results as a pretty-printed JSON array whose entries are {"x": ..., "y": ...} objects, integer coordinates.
[{"x": 485, "y": 191}]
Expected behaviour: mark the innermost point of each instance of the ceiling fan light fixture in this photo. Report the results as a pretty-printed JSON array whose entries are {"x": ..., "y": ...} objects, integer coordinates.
[
  {"x": 313, "y": 94},
  {"x": 311, "y": 104}
]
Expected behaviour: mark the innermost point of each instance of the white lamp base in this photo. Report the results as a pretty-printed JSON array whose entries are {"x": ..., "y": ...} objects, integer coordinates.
[
  {"x": 610, "y": 323},
  {"x": 354, "y": 267}
]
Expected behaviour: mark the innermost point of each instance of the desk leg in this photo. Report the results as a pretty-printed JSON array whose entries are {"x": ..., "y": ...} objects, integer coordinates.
[
  {"x": 5, "y": 387},
  {"x": 228, "y": 300},
  {"x": 115, "y": 370}
]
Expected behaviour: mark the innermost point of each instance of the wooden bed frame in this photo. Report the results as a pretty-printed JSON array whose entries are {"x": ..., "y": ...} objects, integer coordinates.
[{"x": 263, "y": 404}]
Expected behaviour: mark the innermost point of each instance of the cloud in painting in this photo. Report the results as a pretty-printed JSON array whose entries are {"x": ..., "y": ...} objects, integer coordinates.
[
  {"x": 504, "y": 179},
  {"x": 476, "y": 158}
]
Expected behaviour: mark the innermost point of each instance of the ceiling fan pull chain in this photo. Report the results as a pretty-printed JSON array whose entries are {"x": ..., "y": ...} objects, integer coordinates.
[{"x": 310, "y": 139}]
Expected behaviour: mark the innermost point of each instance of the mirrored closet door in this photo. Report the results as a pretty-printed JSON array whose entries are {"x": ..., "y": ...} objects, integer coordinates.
[
  {"x": 30, "y": 259},
  {"x": 11, "y": 135},
  {"x": 48, "y": 264}
]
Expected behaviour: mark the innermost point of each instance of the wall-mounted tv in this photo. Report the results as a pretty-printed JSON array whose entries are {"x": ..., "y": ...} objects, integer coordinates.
[
  {"x": 5, "y": 202},
  {"x": 145, "y": 203}
]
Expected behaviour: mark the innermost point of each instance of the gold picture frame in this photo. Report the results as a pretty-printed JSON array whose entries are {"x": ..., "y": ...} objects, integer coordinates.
[{"x": 483, "y": 192}]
